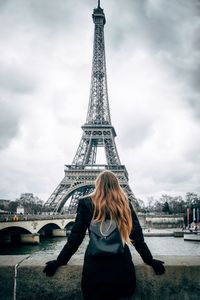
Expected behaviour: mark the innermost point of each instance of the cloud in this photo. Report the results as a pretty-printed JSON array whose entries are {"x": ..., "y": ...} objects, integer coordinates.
[
  {"x": 8, "y": 124},
  {"x": 15, "y": 84},
  {"x": 15, "y": 80},
  {"x": 152, "y": 51},
  {"x": 169, "y": 30}
]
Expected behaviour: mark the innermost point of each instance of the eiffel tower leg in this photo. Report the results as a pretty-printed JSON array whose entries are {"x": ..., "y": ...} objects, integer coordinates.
[
  {"x": 91, "y": 153},
  {"x": 75, "y": 191},
  {"x": 75, "y": 198},
  {"x": 81, "y": 151},
  {"x": 51, "y": 203},
  {"x": 111, "y": 152},
  {"x": 56, "y": 197},
  {"x": 77, "y": 182},
  {"x": 86, "y": 152}
]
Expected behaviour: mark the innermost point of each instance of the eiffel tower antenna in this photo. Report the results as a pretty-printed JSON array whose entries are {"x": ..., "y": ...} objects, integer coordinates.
[{"x": 98, "y": 132}]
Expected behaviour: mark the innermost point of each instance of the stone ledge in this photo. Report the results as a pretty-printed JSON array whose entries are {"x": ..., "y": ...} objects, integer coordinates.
[{"x": 181, "y": 280}]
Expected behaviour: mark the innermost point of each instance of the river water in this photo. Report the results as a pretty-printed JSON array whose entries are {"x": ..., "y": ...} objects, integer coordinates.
[{"x": 157, "y": 245}]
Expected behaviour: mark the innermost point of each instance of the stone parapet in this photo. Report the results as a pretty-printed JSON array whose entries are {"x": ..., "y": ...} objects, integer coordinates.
[{"x": 180, "y": 282}]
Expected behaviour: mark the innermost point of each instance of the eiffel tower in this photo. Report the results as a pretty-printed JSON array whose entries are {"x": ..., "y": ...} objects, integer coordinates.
[{"x": 98, "y": 131}]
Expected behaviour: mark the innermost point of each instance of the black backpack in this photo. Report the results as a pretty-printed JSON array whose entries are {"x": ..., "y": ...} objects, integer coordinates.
[{"x": 105, "y": 242}]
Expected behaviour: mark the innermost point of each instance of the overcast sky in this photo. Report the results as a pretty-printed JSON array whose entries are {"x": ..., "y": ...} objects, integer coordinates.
[{"x": 153, "y": 70}]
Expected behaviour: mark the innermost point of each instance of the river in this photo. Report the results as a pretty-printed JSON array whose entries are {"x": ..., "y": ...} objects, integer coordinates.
[{"x": 157, "y": 245}]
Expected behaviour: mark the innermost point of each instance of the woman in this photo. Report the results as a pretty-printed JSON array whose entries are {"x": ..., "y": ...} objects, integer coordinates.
[{"x": 107, "y": 277}]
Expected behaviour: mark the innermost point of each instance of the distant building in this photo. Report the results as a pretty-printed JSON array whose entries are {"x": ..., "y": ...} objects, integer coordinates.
[{"x": 20, "y": 210}]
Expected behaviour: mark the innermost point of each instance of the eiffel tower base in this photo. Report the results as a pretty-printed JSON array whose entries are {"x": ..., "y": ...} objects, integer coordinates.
[{"x": 80, "y": 181}]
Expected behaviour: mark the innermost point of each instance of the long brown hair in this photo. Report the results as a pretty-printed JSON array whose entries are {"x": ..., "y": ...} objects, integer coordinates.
[{"x": 110, "y": 201}]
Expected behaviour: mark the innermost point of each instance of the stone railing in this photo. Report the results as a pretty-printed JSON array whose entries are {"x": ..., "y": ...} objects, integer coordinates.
[
  {"x": 16, "y": 218},
  {"x": 21, "y": 278}
]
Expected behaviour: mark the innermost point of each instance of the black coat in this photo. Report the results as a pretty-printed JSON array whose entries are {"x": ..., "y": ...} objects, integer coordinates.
[{"x": 104, "y": 277}]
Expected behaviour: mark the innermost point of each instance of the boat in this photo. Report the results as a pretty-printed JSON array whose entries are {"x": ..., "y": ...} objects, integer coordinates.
[{"x": 192, "y": 237}]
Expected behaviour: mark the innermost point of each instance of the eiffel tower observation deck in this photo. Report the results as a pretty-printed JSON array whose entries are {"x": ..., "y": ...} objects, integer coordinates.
[{"x": 98, "y": 132}]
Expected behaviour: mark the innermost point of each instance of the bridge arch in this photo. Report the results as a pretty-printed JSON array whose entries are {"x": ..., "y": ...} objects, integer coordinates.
[
  {"x": 15, "y": 226},
  {"x": 46, "y": 230},
  {"x": 69, "y": 226},
  {"x": 13, "y": 234},
  {"x": 18, "y": 229}
]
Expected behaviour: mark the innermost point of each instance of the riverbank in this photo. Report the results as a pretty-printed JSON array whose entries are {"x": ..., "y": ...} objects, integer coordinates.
[{"x": 159, "y": 232}]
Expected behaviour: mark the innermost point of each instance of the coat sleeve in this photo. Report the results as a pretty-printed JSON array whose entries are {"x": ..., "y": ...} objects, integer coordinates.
[
  {"x": 137, "y": 239},
  {"x": 76, "y": 237}
]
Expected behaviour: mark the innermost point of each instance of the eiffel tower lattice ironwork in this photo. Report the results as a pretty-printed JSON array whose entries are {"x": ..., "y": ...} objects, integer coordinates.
[{"x": 98, "y": 131}]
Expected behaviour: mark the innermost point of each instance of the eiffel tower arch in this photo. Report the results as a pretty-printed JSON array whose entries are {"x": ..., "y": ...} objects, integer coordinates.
[{"x": 98, "y": 132}]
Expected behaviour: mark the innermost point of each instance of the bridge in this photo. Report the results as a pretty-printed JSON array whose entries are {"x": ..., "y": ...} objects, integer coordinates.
[{"x": 29, "y": 229}]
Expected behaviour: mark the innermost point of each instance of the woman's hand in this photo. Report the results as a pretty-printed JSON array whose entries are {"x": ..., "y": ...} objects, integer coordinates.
[
  {"x": 51, "y": 267},
  {"x": 158, "y": 267}
]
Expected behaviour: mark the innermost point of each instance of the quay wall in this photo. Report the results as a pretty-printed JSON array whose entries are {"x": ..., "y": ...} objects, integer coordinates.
[
  {"x": 180, "y": 281},
  {"x": 161, "y": 221}
]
